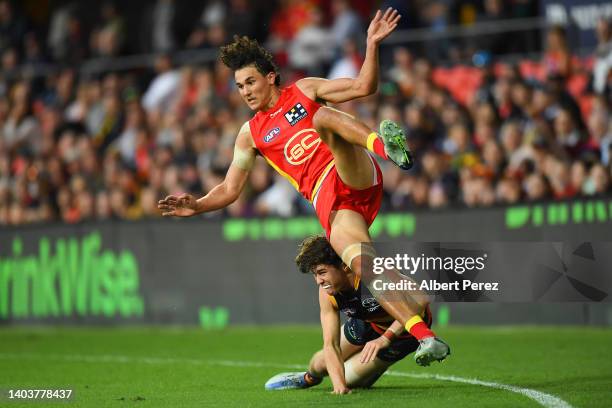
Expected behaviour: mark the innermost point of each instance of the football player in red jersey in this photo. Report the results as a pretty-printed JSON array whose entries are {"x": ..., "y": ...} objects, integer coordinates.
[{"x": 325, "y": 154}]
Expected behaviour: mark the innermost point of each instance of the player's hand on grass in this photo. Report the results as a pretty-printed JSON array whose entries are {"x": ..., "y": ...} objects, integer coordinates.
[
  {"x": 184, "y": 205},
  {"x": 341, "y": 389},
  {"x": 372, "y": 347},
  {"x": 382, "y": 25}
]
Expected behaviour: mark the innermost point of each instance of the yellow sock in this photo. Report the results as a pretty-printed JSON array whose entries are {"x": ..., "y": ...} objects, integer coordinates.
[
  {"x": 372, "y": 137},
  {"x": 412, "y": 321},
  {"x": 376, "y": 146}
]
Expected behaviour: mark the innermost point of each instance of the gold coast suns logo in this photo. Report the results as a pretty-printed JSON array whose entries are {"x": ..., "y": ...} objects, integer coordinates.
[{"x": 302, "y": 146}]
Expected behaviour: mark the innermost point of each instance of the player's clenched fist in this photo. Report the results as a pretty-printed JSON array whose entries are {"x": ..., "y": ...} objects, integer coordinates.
[{"x": 184, "y": 205}]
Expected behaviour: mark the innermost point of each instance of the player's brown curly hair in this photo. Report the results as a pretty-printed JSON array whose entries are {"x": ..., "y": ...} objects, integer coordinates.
[
  {"x": 245, "y": 51},
  {"x": 316, "y": 250}
]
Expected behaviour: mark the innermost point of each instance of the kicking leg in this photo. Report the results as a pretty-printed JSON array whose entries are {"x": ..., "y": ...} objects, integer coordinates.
[
  {"x": 350, "y": 238},
  {"x": 390, "y": 144},
  {"x": 353, "y": 163}
]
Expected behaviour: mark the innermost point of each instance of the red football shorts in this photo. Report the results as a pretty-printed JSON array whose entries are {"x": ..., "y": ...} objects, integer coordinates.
[{"x": 334, "y": 195}]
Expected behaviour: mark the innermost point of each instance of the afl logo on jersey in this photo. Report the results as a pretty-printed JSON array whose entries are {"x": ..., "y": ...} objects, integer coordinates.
[
  {"x": 370, "y": 304},
  {"x": 302, "y": 146},
  {"x": 271, "y": 135}
]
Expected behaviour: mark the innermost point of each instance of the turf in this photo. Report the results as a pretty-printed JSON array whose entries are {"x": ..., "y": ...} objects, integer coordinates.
[{"x": 188, "y": 367}]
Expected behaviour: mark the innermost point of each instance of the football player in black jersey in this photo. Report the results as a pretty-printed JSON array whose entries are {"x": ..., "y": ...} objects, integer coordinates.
[{"x": 358, "y": 353}]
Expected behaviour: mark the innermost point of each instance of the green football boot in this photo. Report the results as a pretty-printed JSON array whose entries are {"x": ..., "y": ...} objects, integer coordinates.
[{"x": 395, "y": 144}]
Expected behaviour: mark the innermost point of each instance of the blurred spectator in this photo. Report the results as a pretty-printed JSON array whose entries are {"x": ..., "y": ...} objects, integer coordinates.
[
  {"x": 598, "y": 182},
  {"x": 458, "y": 145},
  {"x": 578, "y": 176},
  {"x": 66, "y": 38},
  {"x": 279, "y": 199},
  {"x": 288, "y": 19},
  {"x": 496, "y": 43},
  {"x": 20, "y": 127},
  {"x": 435, "y": 14},
  {"x": 346, "y": 24},
  {"x": 536, "y": 187},
  {"x": 33, "y": 53},
  {"x": 493, "y": 159},
  {"x": 214, "y": 13},
  {"x": 162, "y": 90},
  {"x": 437, "y": 196},
  {"x": 477, "y": 192},
  {"x": 349, "y": 64},
  {"x": 508, "y": 191},
  {"x": 568, "y": 134},
  {"x": 10, "y": 62},
  {"x": 420, "y": 127},
  {"x": 559, "y": 175},
  {"x": 483, "y": 60},
  {"x": 198, "y": 38},
  {"x": 108, "y": 36},
  {"x": 603, "y": 57},
  {"x": 401, "y": 72},
  {"x": 148, "y": 202},
  {"x": 310, "y": 50},
  {"x": 419, "y": 193},
  {"x": 162, "y": 27},
  {"x": 128, "y": 139},
  {"x": 109, "y": 127},
  {"x": 557, "y": 57},
  {"x": 600, "y": 135},
  {"x": 12, "y": 26},
  {"x": 521, "y": 95},
  {"x": 241, "y": 19}
]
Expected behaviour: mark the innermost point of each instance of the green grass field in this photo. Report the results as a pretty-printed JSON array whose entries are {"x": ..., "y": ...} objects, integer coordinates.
[{"x": 165, "y": 367}]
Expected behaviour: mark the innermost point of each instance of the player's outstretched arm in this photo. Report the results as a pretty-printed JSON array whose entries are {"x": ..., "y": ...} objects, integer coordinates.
[
  {"x": 330, "y": 323},
  {"x": 186, "y": 205},
  {"x": 345, "y": 89}
]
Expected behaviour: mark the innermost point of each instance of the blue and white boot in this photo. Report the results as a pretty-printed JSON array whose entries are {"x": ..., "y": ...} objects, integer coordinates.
[{"x": 291, "y": 381}]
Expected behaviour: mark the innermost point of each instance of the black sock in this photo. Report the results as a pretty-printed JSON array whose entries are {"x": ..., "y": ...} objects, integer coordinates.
[{"x": 312, "y": 379}]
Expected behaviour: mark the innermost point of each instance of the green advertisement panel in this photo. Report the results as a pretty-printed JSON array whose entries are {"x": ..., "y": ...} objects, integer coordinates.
[{"x": 241, "y": 271}]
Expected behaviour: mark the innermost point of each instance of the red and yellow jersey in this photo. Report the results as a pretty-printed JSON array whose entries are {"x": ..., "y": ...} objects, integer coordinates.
[{"x": 285, "y": 136}]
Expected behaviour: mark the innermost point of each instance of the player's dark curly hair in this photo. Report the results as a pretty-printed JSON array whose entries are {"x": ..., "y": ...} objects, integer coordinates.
[
  {"x": 245, "y": 51},
  {"x": 316, "y": 250}
]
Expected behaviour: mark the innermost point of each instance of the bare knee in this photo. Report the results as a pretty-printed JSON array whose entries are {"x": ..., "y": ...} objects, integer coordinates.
[
  {"x": 363, "y": 266},
  {"x": 359, "y": 375},
  {"x": 359, "y": 258},
  {"x": 322, "y": 122},
  {"x": 322, "y": 118}
]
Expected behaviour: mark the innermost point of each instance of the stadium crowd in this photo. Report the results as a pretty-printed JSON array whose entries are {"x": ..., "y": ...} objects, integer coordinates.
[{"x": 77, "y": 147}]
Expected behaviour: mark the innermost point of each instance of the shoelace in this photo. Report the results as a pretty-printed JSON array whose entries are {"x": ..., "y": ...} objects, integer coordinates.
[{"x": 398, "y": 140}]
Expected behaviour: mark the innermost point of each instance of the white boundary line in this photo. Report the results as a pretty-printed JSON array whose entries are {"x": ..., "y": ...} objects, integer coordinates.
[{"x": 545, "y": 400}]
